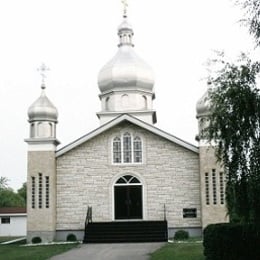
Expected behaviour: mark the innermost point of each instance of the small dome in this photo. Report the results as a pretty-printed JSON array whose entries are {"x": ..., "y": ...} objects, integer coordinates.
[
  {"x": 203, "y": 105},
  {"x": 42, "y": 110}
]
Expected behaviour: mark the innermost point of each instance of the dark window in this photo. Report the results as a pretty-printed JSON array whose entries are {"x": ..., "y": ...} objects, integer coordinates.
[
  {"x": 190, "y": 213},
  {"x": 33, "y": 192},
  {"x": 47, "y": 191},
  {"x": 5, "y": 220},
  {"x": 40, "y": 191}
]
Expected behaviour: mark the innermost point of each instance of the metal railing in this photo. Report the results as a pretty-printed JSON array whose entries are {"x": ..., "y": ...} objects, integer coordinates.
[{"x": 88, "y": 216}]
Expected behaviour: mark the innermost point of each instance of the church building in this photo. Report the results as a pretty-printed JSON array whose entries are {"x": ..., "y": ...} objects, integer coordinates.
[{"x": 127, "y": 170}]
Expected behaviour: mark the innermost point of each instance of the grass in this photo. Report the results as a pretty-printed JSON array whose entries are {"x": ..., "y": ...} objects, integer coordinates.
[
  {"x": 18, "y": 252},
  {"x": 180, "y": 251}
]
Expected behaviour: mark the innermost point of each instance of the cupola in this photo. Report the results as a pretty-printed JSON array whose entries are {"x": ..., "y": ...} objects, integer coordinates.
[{"x": 126, "y": 82}]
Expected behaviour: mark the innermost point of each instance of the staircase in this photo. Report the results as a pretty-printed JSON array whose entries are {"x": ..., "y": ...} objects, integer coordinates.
[{"x": 128, "y": 231}]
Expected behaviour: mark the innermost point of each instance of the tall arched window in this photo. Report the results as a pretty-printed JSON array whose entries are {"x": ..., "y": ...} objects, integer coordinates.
[
  {"x": 117, "y": 150},
  {"x": 137, "y": 149},
  {"x": 127, "y": 149}
]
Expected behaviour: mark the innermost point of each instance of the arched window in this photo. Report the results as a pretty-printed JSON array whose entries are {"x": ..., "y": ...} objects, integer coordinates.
[
  {"x": 127, "y": 149},
  {"x": 137, "y": 150},
  {"x": 107, "y": 104},
  {"x": 117, "y": 150}
]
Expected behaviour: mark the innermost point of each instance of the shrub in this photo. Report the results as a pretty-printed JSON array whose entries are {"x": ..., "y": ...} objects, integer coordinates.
[
  {"x": 36, "y": 240},
  {"x": 181, "y": 235},
  {"x": 71, "y": 237},
  {"x": 231, "y": 242}
]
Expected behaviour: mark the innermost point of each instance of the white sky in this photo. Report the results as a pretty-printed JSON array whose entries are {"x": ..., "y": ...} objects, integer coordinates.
[{"x": 75, "y": 38}]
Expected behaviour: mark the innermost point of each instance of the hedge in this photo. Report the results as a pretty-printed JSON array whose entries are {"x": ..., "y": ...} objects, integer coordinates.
[{"x": 231, "y": 242}]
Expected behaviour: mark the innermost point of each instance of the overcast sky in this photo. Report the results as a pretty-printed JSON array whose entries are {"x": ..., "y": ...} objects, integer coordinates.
[{"x": 75, "y": 38}]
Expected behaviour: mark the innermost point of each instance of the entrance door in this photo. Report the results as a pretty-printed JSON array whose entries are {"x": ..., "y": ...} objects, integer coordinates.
[{"x": 128, "y": 202}]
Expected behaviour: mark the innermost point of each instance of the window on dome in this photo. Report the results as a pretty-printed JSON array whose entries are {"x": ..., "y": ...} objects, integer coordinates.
[{"x": 127, "y": 149}]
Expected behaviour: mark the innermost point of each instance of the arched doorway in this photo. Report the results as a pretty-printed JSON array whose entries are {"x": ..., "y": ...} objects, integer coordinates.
[{"x": 128, "y": 196}]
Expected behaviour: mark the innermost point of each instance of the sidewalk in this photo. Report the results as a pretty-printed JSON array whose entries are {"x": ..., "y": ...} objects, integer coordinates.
[{"x": 123, "y": 251}]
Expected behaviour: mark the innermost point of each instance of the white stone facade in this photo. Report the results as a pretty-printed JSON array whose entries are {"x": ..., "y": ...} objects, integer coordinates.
[{"x": 169, "y": 175}]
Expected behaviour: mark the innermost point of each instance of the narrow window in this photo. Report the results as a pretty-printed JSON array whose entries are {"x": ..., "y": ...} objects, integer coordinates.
[
  {"x": 117, "y": 150},
  {"x": 127, "y": 149},
  {"x": 221, "y": 188},
  {"x": 40, "y": 191},
  {"x": 189, "y": 213},
  {"x": 5, "y": 220},
  {"x": 47, "y": 192},
  {"x": 207, "y": 188},
  {"x": 33, "y": 192},
  {"x": 214, "y": 187},
  {"x": 137, "y": 150},
  {"x": 107, "y": 104}
]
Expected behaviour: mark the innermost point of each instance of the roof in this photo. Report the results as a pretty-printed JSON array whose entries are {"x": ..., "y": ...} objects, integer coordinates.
[
  {"x": 133, "y": 120},
  {"x": 12, "y": 210}
]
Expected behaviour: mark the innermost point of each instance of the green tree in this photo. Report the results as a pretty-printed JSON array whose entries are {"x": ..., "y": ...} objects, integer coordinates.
[
  {"x": 23, "y": 192},
  {"x": 9, "y": 198},
  {"x": 252, "y": 17},
  {"x": 3, "y": 182},
  {"x": 234, "y": 125}
]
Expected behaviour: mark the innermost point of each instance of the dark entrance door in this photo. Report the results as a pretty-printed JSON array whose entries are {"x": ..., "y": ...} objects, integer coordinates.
[{"x": 128, "y": 202}]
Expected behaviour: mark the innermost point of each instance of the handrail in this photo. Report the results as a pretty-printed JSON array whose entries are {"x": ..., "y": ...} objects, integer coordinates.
[{"x": 88, "y": 216}]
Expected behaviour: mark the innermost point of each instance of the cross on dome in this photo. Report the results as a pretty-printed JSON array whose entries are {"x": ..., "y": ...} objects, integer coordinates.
[
  {"x": 43, "y": 69},
  {"x": 125, "y": 5}
]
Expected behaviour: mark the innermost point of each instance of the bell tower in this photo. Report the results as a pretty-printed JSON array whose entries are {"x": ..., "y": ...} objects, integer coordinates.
[
  {"x": 212, "y": 174},
  {"x": 41, "y": 167}
]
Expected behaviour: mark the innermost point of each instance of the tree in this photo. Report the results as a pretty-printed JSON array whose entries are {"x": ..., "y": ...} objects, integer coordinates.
[
  {"x": 234, "y": 125},
  {"x": 3, "y": 182},
  {"x": 9, "y": 198},
  {"x": 23, "y": 192},
  {"x": 252, "y": 14}
]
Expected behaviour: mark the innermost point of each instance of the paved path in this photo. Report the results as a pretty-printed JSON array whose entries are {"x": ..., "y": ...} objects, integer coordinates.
[{"x": 124, "y": 251}]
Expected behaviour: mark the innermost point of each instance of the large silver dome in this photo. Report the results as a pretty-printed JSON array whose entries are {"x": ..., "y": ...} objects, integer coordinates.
[
  {"x": 126, "y": 70},
  {"x": 42, "y": 110}
]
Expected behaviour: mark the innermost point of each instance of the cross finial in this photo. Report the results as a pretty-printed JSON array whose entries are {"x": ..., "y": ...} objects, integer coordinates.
[
  {"x": 125, "y": 5},
  {"x": 43, "y": 69}
]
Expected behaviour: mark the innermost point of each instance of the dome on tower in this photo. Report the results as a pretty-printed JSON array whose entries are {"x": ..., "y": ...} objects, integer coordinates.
[
  {"x": 126, "y": 71},
  {"x": 42, "y": 109},
  {"x": 203, "y": 104}
]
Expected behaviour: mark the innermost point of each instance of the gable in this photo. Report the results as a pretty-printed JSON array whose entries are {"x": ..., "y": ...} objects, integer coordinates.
[{"x": 130, "y": 120}]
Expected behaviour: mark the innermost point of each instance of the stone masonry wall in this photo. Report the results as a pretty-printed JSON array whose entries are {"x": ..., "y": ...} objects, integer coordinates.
[{"x": 169, "y": 173}]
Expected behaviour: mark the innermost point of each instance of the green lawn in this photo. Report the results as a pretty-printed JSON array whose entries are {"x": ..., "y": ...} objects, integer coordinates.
[
  {"x": 17, "y": 252},
  {"x": 179, "y": 251}
]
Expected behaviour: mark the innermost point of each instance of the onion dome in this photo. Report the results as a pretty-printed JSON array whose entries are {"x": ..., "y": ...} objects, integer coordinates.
[
  {"x": 42, "y": 109},
  {"x": 126, "y": 71},
  {"x": 203, "y": 104}
]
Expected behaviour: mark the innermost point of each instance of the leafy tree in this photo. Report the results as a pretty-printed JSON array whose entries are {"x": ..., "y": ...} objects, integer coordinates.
[
  {"x": 252, "y": 14},
  {"x": 3, "y": 182},
  {"x": 9, "y": 198},
  {"x": 234, "y": 125},
  {"x": 22, "y": 192}
]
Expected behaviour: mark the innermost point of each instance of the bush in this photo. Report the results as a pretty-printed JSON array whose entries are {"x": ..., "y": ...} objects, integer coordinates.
[
  {"x": 231, "y": 242},
  {"x": 36, "y": 240},
  {"x": 181, "y": 235},
  {"x": 71, "y": 237}
]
